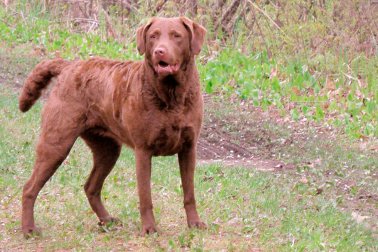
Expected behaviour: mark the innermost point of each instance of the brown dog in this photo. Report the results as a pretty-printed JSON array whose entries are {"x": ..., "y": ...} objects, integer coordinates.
[{"x": 153, "y": 106}]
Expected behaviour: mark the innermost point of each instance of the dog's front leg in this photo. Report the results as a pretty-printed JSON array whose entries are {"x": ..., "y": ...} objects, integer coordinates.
[
  {"x": 187, "y": 162},
  {"x": 143, "y": 171}
]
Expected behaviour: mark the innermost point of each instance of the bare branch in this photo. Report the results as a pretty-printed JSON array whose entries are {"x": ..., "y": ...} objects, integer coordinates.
[
  {"x": 228, "y": 15},
  {"x": 110, "y": 32}
]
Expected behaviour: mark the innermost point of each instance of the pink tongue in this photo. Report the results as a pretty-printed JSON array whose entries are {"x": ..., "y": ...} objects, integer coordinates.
[{"x": 168, "y": 69}]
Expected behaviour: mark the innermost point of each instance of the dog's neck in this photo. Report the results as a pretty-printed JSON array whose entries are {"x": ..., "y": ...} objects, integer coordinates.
[{"x": 170, "y": 91}]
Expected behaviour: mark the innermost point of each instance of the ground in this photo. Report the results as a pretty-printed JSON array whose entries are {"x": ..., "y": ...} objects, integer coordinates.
[{"x": 237, "y": 140}]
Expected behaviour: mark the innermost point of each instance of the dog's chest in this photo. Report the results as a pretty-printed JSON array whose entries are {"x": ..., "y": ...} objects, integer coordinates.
[{"x": 170, "y": 137}]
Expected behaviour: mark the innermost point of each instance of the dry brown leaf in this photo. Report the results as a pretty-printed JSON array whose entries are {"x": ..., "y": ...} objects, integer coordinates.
[
  {"x": 296, "y": 90},
  {"x": 330, "y": 84}
]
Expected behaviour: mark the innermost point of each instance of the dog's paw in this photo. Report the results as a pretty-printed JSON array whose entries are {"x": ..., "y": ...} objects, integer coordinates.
[
  {"x": 197, "y": 224},
  {"x": 148, "y": 230},
  {"x": 110, "y": 224},
  {"x": 110, "y": 221},
  {"x": 31, "y": 232}
]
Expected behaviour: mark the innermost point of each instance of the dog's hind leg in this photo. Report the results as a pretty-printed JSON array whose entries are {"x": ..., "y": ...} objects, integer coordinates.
[
  {"x": 55, "y": 142},
  {"x": 105, "y": 154}
]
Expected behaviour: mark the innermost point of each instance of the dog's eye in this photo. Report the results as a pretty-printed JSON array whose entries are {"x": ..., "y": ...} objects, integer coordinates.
[
  {"x": 153, "y": 36},
  {"x": 176, "y": 35}
]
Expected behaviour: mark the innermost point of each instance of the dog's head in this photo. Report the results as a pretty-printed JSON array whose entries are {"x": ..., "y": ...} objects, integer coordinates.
[{"x": 169, "y": 43}]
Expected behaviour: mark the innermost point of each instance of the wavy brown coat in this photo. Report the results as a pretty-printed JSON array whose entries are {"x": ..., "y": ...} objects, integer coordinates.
[{"x": 153, "y": 106}]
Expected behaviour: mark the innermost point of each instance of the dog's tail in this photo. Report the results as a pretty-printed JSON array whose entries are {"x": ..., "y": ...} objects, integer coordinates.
[{"x": 38, "y": 79}]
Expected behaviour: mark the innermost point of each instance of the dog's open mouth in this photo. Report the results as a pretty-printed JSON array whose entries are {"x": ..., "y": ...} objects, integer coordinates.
[
  {"x": 165, "y": 68},
  {"x": 163, "y": 64}
]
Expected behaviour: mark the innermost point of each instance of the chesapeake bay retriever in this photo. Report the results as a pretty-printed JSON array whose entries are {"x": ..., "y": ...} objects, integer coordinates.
[{"x": 153, "y": 106}]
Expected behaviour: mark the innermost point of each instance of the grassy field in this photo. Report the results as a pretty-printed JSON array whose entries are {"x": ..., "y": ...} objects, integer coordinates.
[
  {"x": 327, "y": 205},
  {"x": 317, "y": 114}
]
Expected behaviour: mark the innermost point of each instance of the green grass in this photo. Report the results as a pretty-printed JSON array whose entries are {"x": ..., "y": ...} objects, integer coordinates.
[{"x": 244, "y": 208}]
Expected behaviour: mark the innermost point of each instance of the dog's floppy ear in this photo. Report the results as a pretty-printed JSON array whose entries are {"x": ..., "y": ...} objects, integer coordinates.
[
  {"x": 141, "y": 37},
  {"x": 198, "y": 33}
]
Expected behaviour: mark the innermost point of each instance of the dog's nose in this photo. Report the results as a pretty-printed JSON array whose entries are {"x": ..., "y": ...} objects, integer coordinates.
[{"x": 160, "y": 51}]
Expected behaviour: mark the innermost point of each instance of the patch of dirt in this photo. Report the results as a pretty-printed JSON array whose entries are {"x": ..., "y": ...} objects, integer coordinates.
[
  {"x": 219, "y": 146},
  {"x": 243, "y": 135}
]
